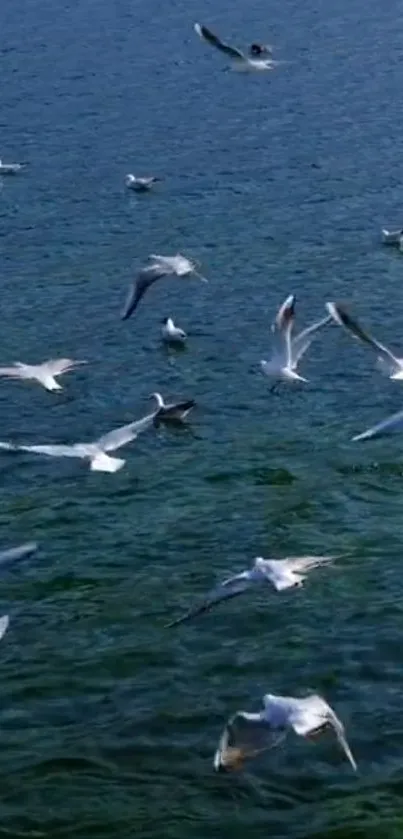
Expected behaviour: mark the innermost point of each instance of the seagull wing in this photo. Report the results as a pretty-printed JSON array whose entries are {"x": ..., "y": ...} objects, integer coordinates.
[
  {"x": 54, "y": 450},
  {"x": 207, "y": 35},
  {"x": 57, "y": 366},
  {"x": 282, "y": 328},
  {"x": 125, "y": 434},
  {"x": 145, "y": 278},
  {"x": 340, "y": 733},
  {"x": 22, "y": 551},
  {"x": 4, "y": 624},
  {"x": 224, "y": 591},
  {"x": 177, "y": 410},
  {"x": 312, "y": 713},
  {"x": 390, "y": 425},
  {"x": 17, "y": 372},
  {"x": 344, "y": 319},
  {"x": 303, "y": 340},
  {"x": 245, "y": 736},
  {"x": 304, "y": 563}
]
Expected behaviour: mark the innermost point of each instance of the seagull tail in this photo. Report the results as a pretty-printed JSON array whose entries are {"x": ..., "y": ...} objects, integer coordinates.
[{"x": 102, "y": 462}]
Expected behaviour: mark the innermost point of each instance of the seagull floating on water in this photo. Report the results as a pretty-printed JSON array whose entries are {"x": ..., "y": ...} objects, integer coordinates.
[
  {"x": 10, "y": 168},
  {"x": 171, "y": 333},
  {"x": 161, "y": 266},
  {"x": 97, "y": 452},
  {"x": 43, "y": 373},
  {"x": 239, "y": 61},
  {"x": 388, "y": 362},
  {"x": 288, "y": 351},
  {"x": 249, "y": 734},
  {"x": 281, "y": 573},
  {"x": 171, "y": 411},
  {"x": 141, "y": 184}
]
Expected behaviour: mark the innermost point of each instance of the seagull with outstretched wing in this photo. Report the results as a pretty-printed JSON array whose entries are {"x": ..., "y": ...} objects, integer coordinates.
[
  {"x": 248, "y": 734},
  {"x": 388, "y": 362},
  {"x": 239, "y": 61},
  {"x": 288, "y": 351},
  {"x": 281, "y": 573},
  {"x": 160, "y": 266}
]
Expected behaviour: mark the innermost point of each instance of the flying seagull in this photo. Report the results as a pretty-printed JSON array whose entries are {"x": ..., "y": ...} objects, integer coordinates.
[
  {"x": 97, "y": 452},
  {"x": 287, "y": 351},
  {"x": 281, "y": 573},
  {"x": 160, "y": 266},
  {"x": 171, "y": 334},
  {"x": 140, "y": 184},
  {"x": 389, "y": 363},
  {"x": 239, "y": 61},
  {"x": 10, "y": 168},
  {"x": 43, "y": 373},
  {"x": 172, "y": 411},
  {"x": 248, "y": 734}
]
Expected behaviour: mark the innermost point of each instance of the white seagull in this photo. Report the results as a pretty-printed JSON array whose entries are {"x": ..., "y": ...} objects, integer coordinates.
[
  {"x": 171, "y": 411},
  {"x": 10, "y": 168},
  {"x": 140, "y": 184},
  {"x": 239, "y": 61},
  {"x": 97, "y": 452},
  {"x": 43, "y": 373},
  {"x": 388, "y": 362},
  {"x": 171, "y": 334},
  {"x": 281, "y": 573},
  {"x": 287, "y": 351},
  {"x": 160, "y": 266},
  {"x": 248, "y": 734}
]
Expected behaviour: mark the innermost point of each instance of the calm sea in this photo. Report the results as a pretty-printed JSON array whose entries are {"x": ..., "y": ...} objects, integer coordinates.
[{"x": 276, "y": 183}]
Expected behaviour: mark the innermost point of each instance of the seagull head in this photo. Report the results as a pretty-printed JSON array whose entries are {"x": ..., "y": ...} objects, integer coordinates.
[{"x": 157, "y": 396}]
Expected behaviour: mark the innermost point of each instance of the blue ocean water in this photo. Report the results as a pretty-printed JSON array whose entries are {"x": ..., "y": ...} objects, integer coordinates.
[{"x": 276, "y": 183}]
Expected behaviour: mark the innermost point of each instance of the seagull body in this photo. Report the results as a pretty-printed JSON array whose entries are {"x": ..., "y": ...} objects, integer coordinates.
[
  {"x": 160, "y": 266},
  {"x": 287, "y": 351},
  {"x": 173, "y": 411},
  {"x": 239, "y": 61},
  {"x": 140, "y": 184},
  {"x": 281, "y": 573},
  {"x": 97, "y": 452},
  {"x": 171, "y": 333},
  {"x": 43, "y": 373},
  {"x": 389, "y": 363},
  {"x": 248, "y": 734},
  {"x": 391, "y": 237},
  {"x": 10, "y": 168}
]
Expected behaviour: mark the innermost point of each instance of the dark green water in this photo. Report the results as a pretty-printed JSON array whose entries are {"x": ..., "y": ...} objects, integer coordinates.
[{"x": 108, "y": 721}]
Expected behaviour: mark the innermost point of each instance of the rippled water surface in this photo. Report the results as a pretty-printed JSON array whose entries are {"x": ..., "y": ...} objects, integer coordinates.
[{"x": 276, "y": 183}]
